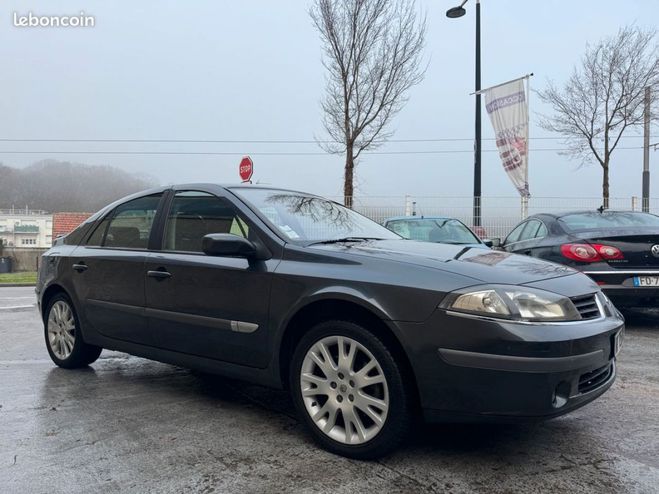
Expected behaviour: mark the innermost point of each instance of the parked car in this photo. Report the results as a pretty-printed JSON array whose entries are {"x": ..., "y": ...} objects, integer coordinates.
[
  {"x": 435, "y": 229},
  {"x": 617, "y": 249},
  {"x": 365, "y": 329}
]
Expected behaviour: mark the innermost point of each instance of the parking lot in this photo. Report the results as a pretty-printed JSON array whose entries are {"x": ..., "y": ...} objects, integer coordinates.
[{"x": 132, "y": 425}]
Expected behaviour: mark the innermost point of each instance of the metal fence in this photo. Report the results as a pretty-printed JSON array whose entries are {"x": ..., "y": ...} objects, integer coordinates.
[{"x": 498, "y": 214}]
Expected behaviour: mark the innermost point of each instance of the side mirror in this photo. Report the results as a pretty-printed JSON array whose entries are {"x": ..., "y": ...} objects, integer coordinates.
[
  {"x": 227, "y": 244},
  {"x": 493, "y": 243}
]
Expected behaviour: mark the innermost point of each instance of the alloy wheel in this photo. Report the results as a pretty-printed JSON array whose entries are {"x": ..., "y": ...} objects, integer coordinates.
[
  {"x": 344, "y": 390},
  {"x": 61, "y": 329}
]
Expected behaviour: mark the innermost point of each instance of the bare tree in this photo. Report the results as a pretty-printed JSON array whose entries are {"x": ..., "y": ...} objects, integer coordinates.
[
  {"x": 604, "y": 97},
  {"x": 372, "y": 53}
]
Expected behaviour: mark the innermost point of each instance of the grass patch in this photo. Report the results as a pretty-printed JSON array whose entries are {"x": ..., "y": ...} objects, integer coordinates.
[{"x": 27, "y": 277}]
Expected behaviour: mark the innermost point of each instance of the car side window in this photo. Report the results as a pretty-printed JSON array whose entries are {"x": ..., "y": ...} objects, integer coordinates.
[
  {"x": 97, "y": 237},
  {"x": 542, "y": 231},
  {"x": 194, "y": 214},
  {"x": 130, "y": 223},
  {"x": 529, "y": 231},
  {"x": 514, "y": 235}
]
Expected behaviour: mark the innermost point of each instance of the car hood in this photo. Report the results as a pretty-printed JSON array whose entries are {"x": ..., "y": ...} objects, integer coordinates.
[{"x": 488, "y": 266}]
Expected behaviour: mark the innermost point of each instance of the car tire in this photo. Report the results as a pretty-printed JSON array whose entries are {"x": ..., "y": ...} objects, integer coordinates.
[
  {"x": 356, "y": 406},
  {"x": 64, "y": 340}
]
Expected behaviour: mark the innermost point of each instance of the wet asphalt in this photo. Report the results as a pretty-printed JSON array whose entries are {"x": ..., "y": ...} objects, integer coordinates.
[{"x": 127, "y": 424}]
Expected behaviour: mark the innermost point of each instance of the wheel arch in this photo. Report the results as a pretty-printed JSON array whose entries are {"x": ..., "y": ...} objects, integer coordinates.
[
  {"x": 48, "y": 295},
  {"x": 339, "y": 306}
]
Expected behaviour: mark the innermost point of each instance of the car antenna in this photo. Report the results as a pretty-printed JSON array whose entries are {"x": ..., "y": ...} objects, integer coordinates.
[{"x": 601, "y": 209}]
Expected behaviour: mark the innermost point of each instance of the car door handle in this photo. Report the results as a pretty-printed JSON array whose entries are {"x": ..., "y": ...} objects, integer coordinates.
[
  {"x": 80, "y": 267},
  {"x": 159, "y": 274}
]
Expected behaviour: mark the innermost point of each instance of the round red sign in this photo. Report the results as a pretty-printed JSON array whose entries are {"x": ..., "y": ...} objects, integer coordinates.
[{"x": 246, "y": 169}]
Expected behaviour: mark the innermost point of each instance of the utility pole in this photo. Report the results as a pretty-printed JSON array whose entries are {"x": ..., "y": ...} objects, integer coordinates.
[
  {"x": 477, "y": 151},
  {"x": 645, "y": 205}
]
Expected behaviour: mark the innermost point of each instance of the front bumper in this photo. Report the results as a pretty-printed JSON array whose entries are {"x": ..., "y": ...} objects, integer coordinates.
[{"x": 476, "y": 369}]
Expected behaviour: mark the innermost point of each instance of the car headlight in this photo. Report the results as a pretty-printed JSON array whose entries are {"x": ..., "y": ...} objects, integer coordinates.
[{"x": 512, "y": 302}]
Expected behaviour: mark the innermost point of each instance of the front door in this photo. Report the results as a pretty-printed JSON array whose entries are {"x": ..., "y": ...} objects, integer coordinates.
[{"x": 215, "y": 307}]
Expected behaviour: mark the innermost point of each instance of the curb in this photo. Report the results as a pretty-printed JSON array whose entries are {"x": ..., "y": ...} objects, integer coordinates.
[{"x": 16, "y": 284}]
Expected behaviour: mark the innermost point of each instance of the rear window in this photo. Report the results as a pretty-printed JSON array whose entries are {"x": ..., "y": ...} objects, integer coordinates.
[{"x": 594, "y": 221}]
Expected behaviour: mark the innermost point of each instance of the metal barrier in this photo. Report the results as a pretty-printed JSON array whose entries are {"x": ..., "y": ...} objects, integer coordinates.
[{"x": 498, "y": 214}]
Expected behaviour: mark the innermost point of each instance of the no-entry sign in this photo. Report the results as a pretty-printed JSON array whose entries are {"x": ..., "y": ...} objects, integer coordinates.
[{"x": 246, "y": 169}]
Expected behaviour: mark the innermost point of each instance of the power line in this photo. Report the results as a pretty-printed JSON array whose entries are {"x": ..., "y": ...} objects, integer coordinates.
[
  {"x": 275, "y": 153},
  {"x": 271, "y": 141}
]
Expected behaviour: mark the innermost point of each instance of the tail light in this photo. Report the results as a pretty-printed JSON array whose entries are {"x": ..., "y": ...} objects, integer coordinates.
[
  {"x": 608, "y": 251},
  {"x": 590, "y": 253}
]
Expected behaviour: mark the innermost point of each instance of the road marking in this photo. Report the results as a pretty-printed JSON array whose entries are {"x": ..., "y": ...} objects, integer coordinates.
[
  {"x": 18, "y": 307},
  {"x": 22, "y": 362}
]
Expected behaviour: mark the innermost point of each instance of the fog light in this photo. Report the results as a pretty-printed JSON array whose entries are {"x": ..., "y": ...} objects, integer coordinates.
[{"x": 561, "y": 394}]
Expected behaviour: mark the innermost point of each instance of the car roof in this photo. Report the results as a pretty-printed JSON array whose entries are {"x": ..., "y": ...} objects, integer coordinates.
[
  {"x": 396, "y": 218},
  {"x": 582, "y": 211},
  {"x": 264, "y": 187}
]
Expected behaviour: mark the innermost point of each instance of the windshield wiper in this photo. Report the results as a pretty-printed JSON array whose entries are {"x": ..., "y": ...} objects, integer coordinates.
[{"x": 345, "y": 239}]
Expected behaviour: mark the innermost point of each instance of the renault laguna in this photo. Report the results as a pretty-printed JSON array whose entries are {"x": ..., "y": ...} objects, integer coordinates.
[{"x": 368, "y": 331}]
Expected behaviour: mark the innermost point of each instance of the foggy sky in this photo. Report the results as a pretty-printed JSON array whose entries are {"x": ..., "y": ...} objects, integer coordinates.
[{"x": 251, "y": 71}]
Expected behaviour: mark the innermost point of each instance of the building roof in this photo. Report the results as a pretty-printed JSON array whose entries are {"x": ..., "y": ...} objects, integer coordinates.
[{"x": 65, "y": 223}]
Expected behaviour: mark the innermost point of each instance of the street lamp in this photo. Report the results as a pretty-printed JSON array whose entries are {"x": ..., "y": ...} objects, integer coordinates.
[{"x": 454, "y": 13}]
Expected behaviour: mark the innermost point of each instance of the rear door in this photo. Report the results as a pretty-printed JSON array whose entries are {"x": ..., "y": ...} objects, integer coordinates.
[
  {"x": 108, "y": 271},
  {"x": 215, "y": 307}
]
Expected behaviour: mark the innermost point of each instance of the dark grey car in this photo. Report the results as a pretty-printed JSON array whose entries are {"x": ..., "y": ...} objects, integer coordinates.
[{"x": 366, "y": 329}]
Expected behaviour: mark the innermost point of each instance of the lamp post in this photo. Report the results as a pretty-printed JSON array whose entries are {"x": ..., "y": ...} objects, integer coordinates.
[
  {"x": 645, "y": 205},
  {"x": 454, "y": 13}
]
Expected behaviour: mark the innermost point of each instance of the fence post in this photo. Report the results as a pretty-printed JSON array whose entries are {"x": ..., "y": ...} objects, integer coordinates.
[
  {"x": 525, "y": 207},
  {"x": 408, "y": 205},
  {"x": 634, "y": 202}
]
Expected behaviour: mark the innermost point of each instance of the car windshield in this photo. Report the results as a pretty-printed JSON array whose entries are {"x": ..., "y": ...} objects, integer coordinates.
[
  {"x": 606, "y": 220},
  {"x": 444, "y": 230},
  {"x": 307, "y": 218}
]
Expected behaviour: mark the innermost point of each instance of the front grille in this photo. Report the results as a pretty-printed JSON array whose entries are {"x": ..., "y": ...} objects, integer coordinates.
[
  {"x": 592, "y": 380},
  {"x": 587, "y": 306}
]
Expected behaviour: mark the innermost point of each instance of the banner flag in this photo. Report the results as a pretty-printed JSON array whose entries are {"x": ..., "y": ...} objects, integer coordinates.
[{"x": 507, "y": 106}]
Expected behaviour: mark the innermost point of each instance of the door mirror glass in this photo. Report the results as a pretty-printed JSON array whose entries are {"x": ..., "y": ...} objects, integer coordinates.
[{"x": 227, "y": 244}]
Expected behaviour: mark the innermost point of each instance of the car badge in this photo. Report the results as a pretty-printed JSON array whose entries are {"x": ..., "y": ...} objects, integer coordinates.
[{"x": 655, "y": 250}]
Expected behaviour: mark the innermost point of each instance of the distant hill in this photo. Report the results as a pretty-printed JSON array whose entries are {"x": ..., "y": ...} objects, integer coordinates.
[{"x": 63, "y": 186}]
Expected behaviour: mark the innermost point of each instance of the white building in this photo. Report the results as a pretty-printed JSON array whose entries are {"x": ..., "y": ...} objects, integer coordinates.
[{"x": 26, "y": 228}]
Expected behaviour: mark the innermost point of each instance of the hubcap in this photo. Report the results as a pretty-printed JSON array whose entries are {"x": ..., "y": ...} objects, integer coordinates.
[
  {"x": 344, "y": 390},
  {"x": 61, "y": 329}
]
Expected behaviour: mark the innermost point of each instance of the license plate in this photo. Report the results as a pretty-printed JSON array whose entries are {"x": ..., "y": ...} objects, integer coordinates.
[
  {"x": 646, "y": 280},
  {"x": 617, "y": 342}
]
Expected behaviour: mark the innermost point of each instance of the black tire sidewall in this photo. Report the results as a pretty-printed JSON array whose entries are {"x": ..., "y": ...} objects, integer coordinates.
[{"x": 397, "y": 421}]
